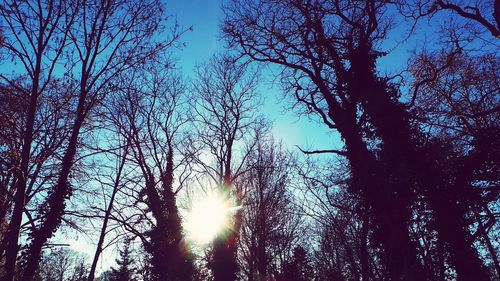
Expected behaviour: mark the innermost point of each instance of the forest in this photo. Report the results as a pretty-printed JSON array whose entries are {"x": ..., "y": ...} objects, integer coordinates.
[{"x": 119, "y": 164}]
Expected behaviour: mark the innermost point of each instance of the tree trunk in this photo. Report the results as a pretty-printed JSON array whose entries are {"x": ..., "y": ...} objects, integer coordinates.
[
  {"x": 170, "y": 260},
  {"x": 53, "y": 209},
  {"x": 224, "y": 265},
  {"x": 12, "y": 248},
  {"x": 106, "y": 218},
  {"x": 388, "y": 204},
  {"x": 408, "y": 166}
]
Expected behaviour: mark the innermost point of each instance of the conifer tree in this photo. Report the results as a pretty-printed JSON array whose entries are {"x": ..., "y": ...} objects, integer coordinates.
[{"x": 125, "y": 271}]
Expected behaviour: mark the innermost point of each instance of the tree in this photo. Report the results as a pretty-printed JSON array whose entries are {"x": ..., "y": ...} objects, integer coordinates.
[
  {"x": 298, "y": 268},
  {"x": 225, "y": 108},
  {"x": 314, "y": 43},
  {"x": 478, "y": 17},
  {"x": 121, "y": 160},
  {"x": 149, "y": 111},
  {"x": 63, "y": 265},
  {"x": 271, "y": 224},
  {"x": 459, "y": 111},
  {"x": 11, "y": 109},
  {"x": 345, "y": 248},
  {"x": 331, "y": 69},
  {"x": 125, "y": 271},
  {"x": 110, "y": 38},
  {"x": 36, "y": 47}
]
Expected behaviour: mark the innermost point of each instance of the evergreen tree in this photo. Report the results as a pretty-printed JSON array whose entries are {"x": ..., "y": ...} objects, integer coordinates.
[{"x": 125, "y": 271}]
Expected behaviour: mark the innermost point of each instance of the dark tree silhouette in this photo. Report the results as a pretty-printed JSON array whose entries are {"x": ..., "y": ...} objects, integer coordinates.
[
  {"x": 346, "y": 250},
  {"x": 105, "y": 44},
  {"x": 35, "y": 45},
  {"x": 478, "y": 17},
  {"x": 62, "y": 264},
  {"x": 459, "y": 108},
  {"x": 224, "y": 107},
  {"x": 298, "y": 268},
  {"x": 271, "y": 225},
  {"x": 149, "y": 110},
  {"x": 125, "y": 270},
  {"x": 328, "y": 52},
  {"x": 121, "y": 160},
  {"x": 315, "y": 71}
]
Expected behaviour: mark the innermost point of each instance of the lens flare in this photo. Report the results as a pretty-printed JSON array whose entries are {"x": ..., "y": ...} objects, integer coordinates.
[{"x": 209, "y": 217}]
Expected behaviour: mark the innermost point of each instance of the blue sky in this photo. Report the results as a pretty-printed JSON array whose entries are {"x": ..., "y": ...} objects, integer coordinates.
[
  {"x": 203, "y": 16},
  {"x": 204, "y": 40}
]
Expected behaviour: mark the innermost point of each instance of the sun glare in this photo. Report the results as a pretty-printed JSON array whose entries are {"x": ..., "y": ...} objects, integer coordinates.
[{"x": 209, "y": 216}]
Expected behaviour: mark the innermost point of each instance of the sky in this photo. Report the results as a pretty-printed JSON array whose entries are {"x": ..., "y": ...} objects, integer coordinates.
[
  {"x": 204, "y": 17},
  {"x": 204, "y": 40}
]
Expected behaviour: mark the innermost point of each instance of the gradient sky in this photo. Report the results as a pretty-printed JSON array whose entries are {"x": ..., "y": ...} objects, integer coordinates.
[{"x": 204, "y": 40}]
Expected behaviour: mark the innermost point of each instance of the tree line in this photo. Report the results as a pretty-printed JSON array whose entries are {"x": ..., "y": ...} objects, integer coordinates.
[{"x": 102, "y": 135}]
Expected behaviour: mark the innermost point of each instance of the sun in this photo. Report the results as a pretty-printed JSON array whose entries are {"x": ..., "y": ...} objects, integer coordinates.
[{"x": 208, "y": 217}]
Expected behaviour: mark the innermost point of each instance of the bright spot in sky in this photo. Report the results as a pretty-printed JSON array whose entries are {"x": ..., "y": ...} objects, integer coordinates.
[{"x": 209, "y": 216}]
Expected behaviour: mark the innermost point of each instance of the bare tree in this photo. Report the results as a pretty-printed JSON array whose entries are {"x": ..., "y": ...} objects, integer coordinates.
[
  {"x": 478, "y": 17},
  {"x": 150, "y": 110},
  {"x": 62, "y": 264},
  {"x": 116, "y": 185},
  {"x": 328, "y": 51},
  {"x": 37, "y": 35},
  {"x": 458, "y": 110},
  {"x": 271, "y": 223},
  {"x": 225, "y": 107},
  {"x": 315, "y": 43},
  {"x": 346, "y": 249},
  {"x": 109, "y": 38}
]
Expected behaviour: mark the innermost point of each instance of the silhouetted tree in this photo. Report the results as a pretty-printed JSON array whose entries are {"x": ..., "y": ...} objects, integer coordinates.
[
  {"x": 110, "y": 37},
  {"x": 11, "y": 110},
  {"x": 62, "y": 264},
  {"x": 299, "y": 268},
  {"x": 345, "y": 247},
  {"x": 116, "y": 185},
  {"x": 38, "y": 35},
  {"x": 315, "y": 43},
  {"x": 458, "y": 107},
  {"x": 149, "y": 110},
  {"x": 271, "y": 225},
  {"x": 478, "y": 17},
  {"x": 225, "y": 106},
  {"x": 328, "y": 51},
  {"x": 125, "y": 270}
]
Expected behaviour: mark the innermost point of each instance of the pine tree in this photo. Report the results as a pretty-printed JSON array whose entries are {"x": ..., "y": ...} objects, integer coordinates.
[{"x": 126, "y": 270}]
